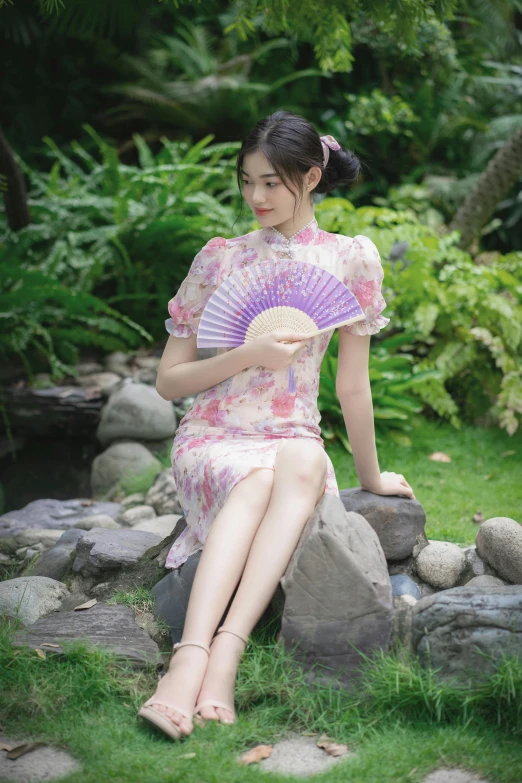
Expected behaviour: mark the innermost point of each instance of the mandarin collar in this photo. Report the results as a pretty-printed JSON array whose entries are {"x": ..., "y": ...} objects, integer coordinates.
[{"x": 305, "y": 236}]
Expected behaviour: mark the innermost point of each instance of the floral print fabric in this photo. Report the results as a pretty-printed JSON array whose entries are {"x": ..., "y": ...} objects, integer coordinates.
[{"x": 239, "y": 425}]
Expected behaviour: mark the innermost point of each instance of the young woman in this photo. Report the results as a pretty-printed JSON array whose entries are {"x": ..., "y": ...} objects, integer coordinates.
[{"x": 248, "y": 457}]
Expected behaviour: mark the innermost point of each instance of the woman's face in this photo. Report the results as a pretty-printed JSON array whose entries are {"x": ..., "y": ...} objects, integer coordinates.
[{"x": 263, "y": 190}]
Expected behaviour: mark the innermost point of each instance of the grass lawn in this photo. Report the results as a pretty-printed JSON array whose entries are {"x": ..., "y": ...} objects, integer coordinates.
[
  {"x": 485, "y": 474},
  {"x": 400, "y": 721}
]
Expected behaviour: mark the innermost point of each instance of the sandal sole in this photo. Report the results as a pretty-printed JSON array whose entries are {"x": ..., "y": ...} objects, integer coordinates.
[{"x": 161, "y": 722}]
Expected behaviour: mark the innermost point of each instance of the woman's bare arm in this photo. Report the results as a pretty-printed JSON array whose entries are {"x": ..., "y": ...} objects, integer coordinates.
[{"x": 180, "y": 374}]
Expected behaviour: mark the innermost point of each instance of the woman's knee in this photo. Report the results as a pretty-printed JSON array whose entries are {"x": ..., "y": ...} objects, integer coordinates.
[
  {"x": 304, "y": 460},
  {"x": 256, "y": 488}
]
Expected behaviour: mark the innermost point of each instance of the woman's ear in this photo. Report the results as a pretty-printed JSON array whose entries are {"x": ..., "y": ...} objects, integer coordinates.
[{"x": 313, "y": 176}]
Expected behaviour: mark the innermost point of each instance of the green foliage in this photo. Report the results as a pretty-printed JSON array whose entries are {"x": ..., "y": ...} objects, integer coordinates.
[
  {"x": 199, "y": 83},
  {"x": 378, "y": 113},
  {"x": 454, "y": 341},
  {"x": 107, "y": 246},
  {"x": 105, "y": 233}
]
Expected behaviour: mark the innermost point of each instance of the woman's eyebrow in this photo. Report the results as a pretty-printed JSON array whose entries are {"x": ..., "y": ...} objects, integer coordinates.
[{"x": 273, "y": 174}]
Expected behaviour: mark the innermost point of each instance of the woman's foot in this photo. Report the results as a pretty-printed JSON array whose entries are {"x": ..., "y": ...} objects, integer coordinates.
[
  {"x": 181, "y": 684},
  {"x": 220, "y": 678}
]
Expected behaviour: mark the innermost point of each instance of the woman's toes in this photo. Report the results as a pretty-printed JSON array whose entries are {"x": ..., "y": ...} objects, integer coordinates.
[
  {"x": 208, "y": 713},
  {"x": 225, "y": 716}
]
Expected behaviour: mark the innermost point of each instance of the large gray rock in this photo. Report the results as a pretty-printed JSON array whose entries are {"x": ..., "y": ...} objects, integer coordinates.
[
  {"x": 135, "y": 410},
  {"x": 119, "y": 461},
  {"x": 499, "y": 542},
  {"x": 100, "y": 550},
  {"x": 399, "y": 522},
  {"x": 56, "y": 562},
  {"x": 57, "y": 514},
  {"x": 31, "y": 597},
  {"x": 163, "y": 494},
  {"x": 338, "y": 595},
  {"x": 111, "y": 627},
  {"x": 401, "y": 637},
  {"x": 466, "y": 630},
  {"x": 110, "y": 561}
]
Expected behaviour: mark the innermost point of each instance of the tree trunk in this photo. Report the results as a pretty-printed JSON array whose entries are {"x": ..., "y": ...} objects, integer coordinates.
[
  {"x": 15, "y": 196},
  {"x": 502, "y": 172}
]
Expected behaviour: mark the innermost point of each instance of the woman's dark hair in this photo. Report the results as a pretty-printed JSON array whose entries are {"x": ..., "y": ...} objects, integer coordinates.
[{"x": 292, "y": 145}]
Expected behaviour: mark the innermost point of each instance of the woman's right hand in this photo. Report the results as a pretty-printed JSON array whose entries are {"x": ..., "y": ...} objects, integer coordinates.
[{"x": 275, "y": 350}]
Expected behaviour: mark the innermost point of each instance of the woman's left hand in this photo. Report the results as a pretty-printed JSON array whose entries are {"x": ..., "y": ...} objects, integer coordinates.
[{"x": 393, "y": 484}]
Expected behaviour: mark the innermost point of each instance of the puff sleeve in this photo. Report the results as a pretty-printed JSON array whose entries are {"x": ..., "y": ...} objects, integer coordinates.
[
  {"x": 186, "y": 307},
  {"x": 361, "y": 271}
]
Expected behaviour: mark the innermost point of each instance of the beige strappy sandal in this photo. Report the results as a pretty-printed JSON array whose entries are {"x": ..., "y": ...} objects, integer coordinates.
[
  {"x": 160, "y": 719},
  {"x": 198, "y": 720}
]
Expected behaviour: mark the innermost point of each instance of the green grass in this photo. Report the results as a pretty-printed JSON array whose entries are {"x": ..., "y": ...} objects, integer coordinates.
[
  {"x": 482, "y": 476},
  {"x": 401, "y": 722},
  {"x": 398, "y": 720}
]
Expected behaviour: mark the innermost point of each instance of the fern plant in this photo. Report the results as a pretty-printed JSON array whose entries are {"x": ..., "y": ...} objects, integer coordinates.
[
  {"x": 107, "y": 247},
  {"x": 459, "y": 323}
]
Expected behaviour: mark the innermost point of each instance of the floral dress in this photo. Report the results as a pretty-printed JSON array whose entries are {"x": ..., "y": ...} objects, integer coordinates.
[{"x": 238, "y": 425}]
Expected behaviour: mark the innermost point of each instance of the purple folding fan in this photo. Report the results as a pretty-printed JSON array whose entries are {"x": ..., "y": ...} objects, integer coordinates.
[{"x": 276, "y": 294}]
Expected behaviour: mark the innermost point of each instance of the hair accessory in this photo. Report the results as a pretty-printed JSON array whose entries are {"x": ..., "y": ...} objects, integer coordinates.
[
  {"x": 276, "y": 294},
  {"x": 329, "y": 143}
]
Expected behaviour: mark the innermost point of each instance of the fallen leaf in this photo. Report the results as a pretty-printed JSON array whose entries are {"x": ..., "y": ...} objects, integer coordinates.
[
  {"x": 487, "y": 478},
  {"x": 49, "y": 644},
  {"x": 439, "y": 456},
  {"x": 332, "y": 748},
  {"x": 508, "y": 453},
  {"x": 186, "y": 756},
  {"x": 86, "y": 605},
  {"x": 21, "y": 750},
  {"x": 3, "y": 746},
  {"x": 478, "y": 517},
  {"x": 40, "y": 654},
  {"x": 87, "y": 503},
  {"x": 256, "y": 754},
  {"x": 412, "y": 771}
]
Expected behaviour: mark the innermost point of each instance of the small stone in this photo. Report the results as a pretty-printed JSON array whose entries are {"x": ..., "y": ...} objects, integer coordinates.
[
  {"x": 453, "y": 775},
  {"x": 44, "y": 763},
  {"x": 161, "y": 526},
  {"x": 485, "y": 580},
  {"x": 88, "y": 368},
  {"x": 499, "y": 542},
  {"x": 440, "y": 564},
  {"x": 31, "y": 597},
  {"x": 299, "y": 756},
  {"x": 137, "y": 499},
  {"x": 136, "y": 514},
  {"x": 101, "y": 520},
  {"x": 403, "y": 585}
]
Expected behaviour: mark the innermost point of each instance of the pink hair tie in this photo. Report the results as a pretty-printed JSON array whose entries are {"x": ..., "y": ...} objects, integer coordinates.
[{"x": 329, "y": 143}]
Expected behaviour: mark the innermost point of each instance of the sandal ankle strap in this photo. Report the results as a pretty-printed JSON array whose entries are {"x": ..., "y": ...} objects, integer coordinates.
[
  {"x": 228, "y": 630},
  {"x": 193, "y": 644}
]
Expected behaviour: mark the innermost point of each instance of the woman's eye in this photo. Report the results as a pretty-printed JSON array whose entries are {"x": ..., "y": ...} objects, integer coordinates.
[{"x": 273, "y": 184}]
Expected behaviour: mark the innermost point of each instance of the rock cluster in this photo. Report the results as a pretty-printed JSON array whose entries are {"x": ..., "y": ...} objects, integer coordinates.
[{"x": 362, "y": 578}]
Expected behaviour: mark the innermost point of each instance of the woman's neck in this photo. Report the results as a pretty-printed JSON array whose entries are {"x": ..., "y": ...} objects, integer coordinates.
[{"x": 288, "y": 228}]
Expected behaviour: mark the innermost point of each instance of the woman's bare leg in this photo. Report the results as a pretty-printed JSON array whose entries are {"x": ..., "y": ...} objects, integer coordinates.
[
  {"x": 299, "y": 483},
  {"x": 219, "y": 570}
]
